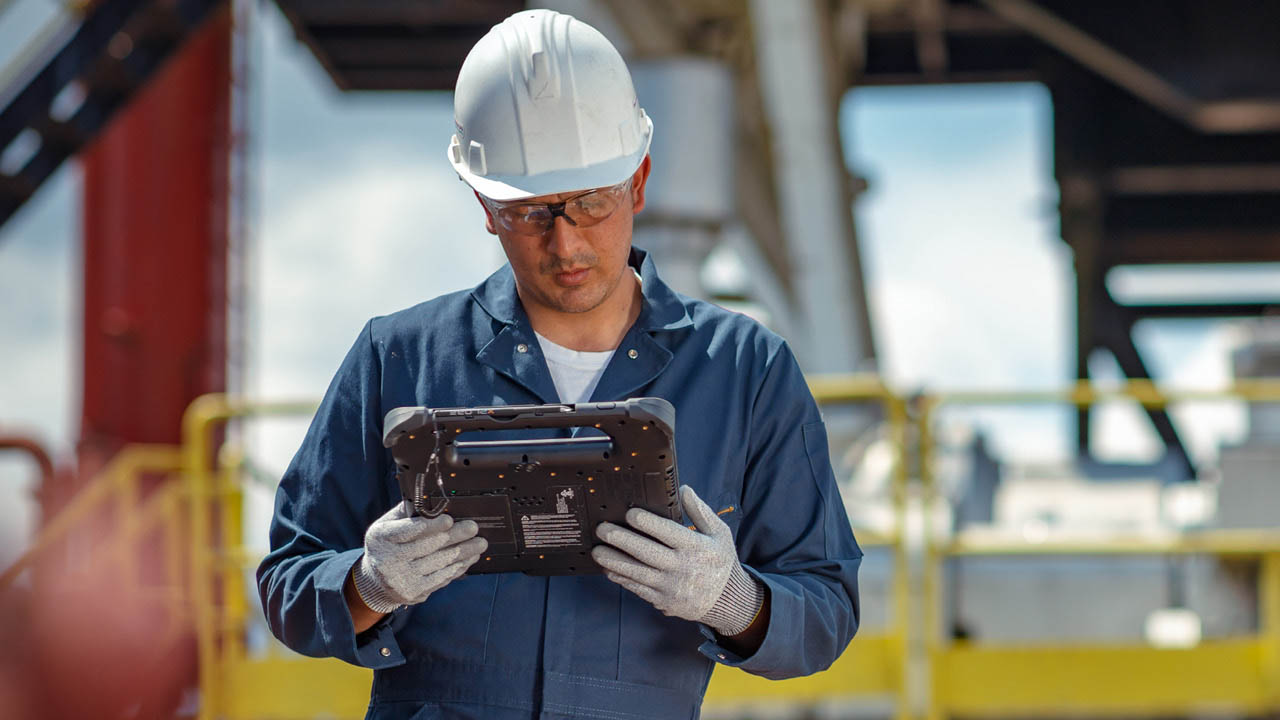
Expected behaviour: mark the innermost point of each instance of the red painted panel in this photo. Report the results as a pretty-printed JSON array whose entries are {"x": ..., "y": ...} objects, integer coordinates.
[{"x": 155, "y": 247}]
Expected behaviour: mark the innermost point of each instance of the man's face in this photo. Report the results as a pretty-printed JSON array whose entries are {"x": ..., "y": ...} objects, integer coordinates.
[{"x": 571, "y": 268}]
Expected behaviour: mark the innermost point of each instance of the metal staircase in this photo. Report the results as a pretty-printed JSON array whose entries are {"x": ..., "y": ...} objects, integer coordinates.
[{"x": 57, "y": 108}]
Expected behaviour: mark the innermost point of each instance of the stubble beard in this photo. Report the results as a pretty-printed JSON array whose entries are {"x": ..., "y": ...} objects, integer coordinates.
[{"x": 567, "y": 300}]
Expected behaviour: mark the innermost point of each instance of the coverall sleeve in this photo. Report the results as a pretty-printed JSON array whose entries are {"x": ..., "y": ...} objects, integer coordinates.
[
  {"x": 336, "y": 486},
  {"x": 795, "y": 534}
]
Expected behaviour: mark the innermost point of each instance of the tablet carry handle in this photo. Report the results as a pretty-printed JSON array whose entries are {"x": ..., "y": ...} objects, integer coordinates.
[{"x": 413, "y": 419}]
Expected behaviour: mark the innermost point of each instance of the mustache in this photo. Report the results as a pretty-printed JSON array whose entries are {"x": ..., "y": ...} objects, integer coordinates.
[{"x": 577, "y": 261}]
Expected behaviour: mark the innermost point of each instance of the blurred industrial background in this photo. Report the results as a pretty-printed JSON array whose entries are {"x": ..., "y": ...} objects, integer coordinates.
[{"x": 1027, "y": 250}]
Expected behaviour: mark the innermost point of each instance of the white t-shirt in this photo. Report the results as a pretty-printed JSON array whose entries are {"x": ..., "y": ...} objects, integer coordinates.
[{"x": 574, "y": 372}]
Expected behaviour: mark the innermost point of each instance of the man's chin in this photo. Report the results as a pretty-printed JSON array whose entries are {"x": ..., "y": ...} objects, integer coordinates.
[{"x": 575, "y": 301}]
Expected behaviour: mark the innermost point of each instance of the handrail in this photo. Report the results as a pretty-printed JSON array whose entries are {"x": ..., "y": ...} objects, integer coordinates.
[
  {"x": 210, "y": 483},
  {"x": 202, "y": 475},
  {"x": 1263, "y": 648},
  {"x": 1196, "y": 542},
  {"x": 29, "y": 445},
  {"x": 1147, "y": 393},
  {"x": 199, "y": 419},
  {"x": 126, "y": 464}
]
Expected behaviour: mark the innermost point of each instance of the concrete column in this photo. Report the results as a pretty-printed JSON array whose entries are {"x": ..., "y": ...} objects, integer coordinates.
[
  {"x": 689, "y": 198},
  {"x": 796, "y": 77}
]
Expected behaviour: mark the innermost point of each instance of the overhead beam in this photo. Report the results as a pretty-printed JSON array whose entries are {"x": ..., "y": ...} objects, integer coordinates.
[
  {"x": 1204, "y": 310},
  {"x": 397, "y": 13},
  {"x": 1244, "y": 115},
  {"x": 1194, "y": 179}
]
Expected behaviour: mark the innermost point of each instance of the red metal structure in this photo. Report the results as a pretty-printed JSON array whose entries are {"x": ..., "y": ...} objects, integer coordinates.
[
  {"x": 155, "y": 252},
  {"x": 155, "y": 224}
]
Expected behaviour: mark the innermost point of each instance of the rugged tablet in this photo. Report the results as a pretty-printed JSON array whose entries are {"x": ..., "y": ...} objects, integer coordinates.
[{"x": 537, "y": 499}]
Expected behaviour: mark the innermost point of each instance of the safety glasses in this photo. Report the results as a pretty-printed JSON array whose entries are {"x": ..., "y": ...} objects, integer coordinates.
[{"x": 582, "y": 210}]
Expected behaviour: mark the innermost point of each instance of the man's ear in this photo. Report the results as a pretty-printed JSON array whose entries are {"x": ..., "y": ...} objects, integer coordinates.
[
  {"x": 488, "y": 216},
  {"x": 637, "y": 185}
]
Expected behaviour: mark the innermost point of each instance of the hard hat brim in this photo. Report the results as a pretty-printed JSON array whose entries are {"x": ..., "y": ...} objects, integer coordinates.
[{"x": 520, "y": 187}]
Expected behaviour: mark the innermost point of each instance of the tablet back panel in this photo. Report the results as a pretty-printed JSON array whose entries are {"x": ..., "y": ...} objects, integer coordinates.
[{"x": 537, "y": 499}]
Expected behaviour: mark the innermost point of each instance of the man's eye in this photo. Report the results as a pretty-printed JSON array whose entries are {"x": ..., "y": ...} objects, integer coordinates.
[
  {"x": 592, "y": 204},
  {"x": 525, "y": 213}
]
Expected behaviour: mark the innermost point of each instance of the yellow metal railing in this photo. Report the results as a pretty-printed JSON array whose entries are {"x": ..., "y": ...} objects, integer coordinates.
[
  {"x": 200, "y": 516},
  {"x": 118, "y": 484},
  {"x": 1235, "y": 675},
  {"x": 235, "y": 684}
]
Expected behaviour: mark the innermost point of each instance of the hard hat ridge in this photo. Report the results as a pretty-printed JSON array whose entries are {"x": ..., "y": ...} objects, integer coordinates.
[{"x": 543, "y": 105}]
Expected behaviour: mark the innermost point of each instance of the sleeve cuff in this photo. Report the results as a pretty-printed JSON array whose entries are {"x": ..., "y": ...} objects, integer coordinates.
[
  {"x": 374, "y": 648},
  {"x": 737, "y": 605},
  {"x": 772, "y": 649}
]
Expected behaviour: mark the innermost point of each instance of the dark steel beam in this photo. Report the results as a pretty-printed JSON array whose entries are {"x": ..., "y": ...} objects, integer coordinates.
[
  {"x": 1194, "y": 246},
  {"x": 117, "y": 48},
  {"x": 1204, "y": 310},
  {"x": 398, "y": 13},
  {"x": 1114, "y": 330}
]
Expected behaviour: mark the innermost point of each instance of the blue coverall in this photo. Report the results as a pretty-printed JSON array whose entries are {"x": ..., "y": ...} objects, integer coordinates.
[{"x": 498, "y": 646}]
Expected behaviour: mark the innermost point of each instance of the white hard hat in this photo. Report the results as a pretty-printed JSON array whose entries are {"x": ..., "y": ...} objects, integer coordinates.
[{"x": 543, "y": 105}]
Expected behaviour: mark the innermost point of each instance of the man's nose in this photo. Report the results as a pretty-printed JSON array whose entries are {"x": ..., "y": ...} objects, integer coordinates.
[{"x": 563, "y": 236}]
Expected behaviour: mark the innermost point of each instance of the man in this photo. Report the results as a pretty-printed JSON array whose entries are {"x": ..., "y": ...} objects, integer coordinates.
[{"x": 552, "y": 140}]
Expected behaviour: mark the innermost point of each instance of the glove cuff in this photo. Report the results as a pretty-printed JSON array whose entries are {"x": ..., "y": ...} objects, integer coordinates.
[
  {"x": 370, "y": 589},
  {"x": 737, "y": 605}
]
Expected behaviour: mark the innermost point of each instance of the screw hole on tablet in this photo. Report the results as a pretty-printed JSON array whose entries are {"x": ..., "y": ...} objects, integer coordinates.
[
  {"x": 622, "y": 422},
  {"x": 524, "y": 458},
  {"x": 606, "y": 456},
  {"x": 604, "y": 507},
  {"x": 580, "y": 473},
  {"x": 662, "y": 457},
  {"x": 572, "y": 569},
  {"x": 466, "y": 461}
]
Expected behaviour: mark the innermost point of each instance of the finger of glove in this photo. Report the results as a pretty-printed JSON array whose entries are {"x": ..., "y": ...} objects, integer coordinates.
[
  {"x": 406, "y": 530},
  {"x": 653, "y": 597},
  {"x": 667, "y": 531},
  {"x": 651, "y": 553},
  {"x": 703, "y": 517},
  {"x": 444, "y": 576},
  {"x": 469, "y": 549},
  {"x": 424, "y": 546},
  {"x": 623, "y": 564}
]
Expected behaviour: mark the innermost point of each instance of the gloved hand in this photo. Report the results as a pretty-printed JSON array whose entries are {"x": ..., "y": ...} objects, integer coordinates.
[
  {"x": 408, "y": 558},
  {"x": 692, "y": 574}
]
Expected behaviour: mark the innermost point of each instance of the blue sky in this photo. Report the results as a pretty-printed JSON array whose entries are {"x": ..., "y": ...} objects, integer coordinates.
[{"x": 354, "y": 212}]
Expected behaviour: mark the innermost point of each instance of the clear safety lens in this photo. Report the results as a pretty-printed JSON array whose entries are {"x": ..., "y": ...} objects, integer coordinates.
[{"x": 583, "y": 210}]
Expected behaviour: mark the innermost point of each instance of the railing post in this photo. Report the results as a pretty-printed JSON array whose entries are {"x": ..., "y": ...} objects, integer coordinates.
[
  {"x": 231, "y": 513},
  {"x": 901, "y": 594},
  {"x": 1269, "y": 626},
  {"x": 196, "y": 441},
  {"x": 931, "y": 581}
]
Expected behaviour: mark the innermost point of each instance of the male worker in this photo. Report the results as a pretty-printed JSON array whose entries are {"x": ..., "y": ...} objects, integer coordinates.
[{"x": 552, "y": 140}]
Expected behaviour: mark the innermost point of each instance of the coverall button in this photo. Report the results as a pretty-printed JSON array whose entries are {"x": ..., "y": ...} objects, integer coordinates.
[
  {"x": 522, "y": 348},
  {"x": 386, "y": 652},
  {"x": 633, "y": 354},
  {"x": 721, "y": 656}
]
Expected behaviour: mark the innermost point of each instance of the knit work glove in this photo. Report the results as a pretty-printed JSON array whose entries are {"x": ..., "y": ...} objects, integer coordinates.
[
  {"x": 692, "y": 574},
  {"x": 408, "y": 558}
]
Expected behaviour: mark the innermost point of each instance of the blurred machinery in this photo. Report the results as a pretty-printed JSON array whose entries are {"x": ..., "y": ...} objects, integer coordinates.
[{"x": 1167, "y": 151}]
